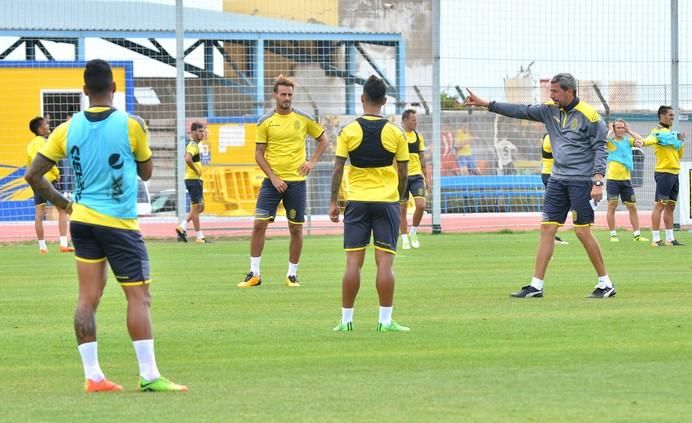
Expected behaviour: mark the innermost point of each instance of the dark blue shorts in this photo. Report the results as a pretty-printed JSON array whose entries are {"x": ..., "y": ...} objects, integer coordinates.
[
  {"x": 39, "y": 200},
  {"x": 416, "y": 186},
  {"x": 363, "y": 218},
  {"x": 293, "y": 199},
  {"x": 667, "y": 186},
  {"x": 621, "y": 189},
  {"x": 561, "y": 196},
  {"x": 195, "y": 187},
  {"x": 124, "y": 249}
]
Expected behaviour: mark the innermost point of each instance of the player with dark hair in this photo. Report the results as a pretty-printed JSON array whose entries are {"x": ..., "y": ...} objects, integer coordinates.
[
  {"x": 668, "y": 148},
  {"x": 578, "y": 140},
  {"x": 194, "y": 184},
  {"x": 107, "y": 150},
  {"x": 280, "y": 153},
  {"x": 371, "y": 144},
  {"x": 417, "y": 181},
  {"x": 41, "y": 129}
]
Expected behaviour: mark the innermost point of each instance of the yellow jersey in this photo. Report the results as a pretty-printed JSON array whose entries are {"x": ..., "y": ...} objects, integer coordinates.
[
  {"x": 193, "y": 149},
  {"x": 284, "y": 136},
  {"x": 372, "y": 177},
  {"x": 416, "y": 146},
  {"x": 667, "y": 157},
  {"x": 56, "y": 149},
  {"x": 31, "y": 151}
]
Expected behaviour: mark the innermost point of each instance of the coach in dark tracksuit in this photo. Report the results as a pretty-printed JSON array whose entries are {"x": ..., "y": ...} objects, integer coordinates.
[{"x": 578, "y": 137}]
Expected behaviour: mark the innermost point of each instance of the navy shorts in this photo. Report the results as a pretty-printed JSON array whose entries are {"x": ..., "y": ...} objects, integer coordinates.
[
  {"x": 667, "y": 186},
  {"x": 293, "y": 199},
  {"x": 195, "y": 187},
  {"x": 39, "y": 200},
  {"x": 416, "y": 186},
  {"x": 621, "y": 189},
  {"x": 563, "y": 195},
  {"x": 363, "y": 218},
  {"x": 124, "y": 249}
]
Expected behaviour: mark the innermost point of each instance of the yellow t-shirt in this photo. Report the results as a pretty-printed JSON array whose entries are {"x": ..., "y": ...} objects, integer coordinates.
[
  {"x": 462, "y": 142},
  {"x": 56, "y": 149},
  {"x": 547, "y": 156},
  {"x": 33, "y": 148},
  {"x": 616, "y": 170},
  {"x": 373, "y": 184},
  {"x": 285, "y": 139},
  {"x": 667, "y": 157},
  {"x": 193, "y": 149},
  {"x": 414, "y": 164}
]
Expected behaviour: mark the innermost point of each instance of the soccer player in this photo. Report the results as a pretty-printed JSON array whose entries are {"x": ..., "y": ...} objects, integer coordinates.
[
  {"x": 668, "y": 148},
  {"x": 619, "y": 185},
  {"x": 417, "y": 180},
  {"x": 371, "y": 143},
  {"x": 578, "y": 140},
  {"x": 280, "y": 153},
  {"x": 194, "y": 184},
  {"x": 41, "y": 129},
  {"x": 546, "y": 169},
  {"x": 107, "y": 149}
]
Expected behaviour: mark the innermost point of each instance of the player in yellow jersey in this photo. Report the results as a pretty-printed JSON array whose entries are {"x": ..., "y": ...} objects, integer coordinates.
[
  {"x": 418, "y": 180},
  {"x": 621, "y": 139},
  {"x": 194, "y": 184},
  {"x": 371, "y": 143},
  {"x": 107, "y": 149},
  {"x": 280, "y": 153},
  {"x": 546, "y": 169},
  {"x": 41, "y": 129},
  {"x": 668, "y": 148}
]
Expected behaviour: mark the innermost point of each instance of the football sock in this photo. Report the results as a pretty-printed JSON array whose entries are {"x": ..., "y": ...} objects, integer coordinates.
[
  {"x": 42, "y": 244},
  {"x": 346, "y": 315},
  {"x": 604, "y": 282},
  {"x": 144, "y": 349},
  {"x": 183, "y": 225},
  {"x": 413, "y": 230},
  {"x": 292, "y": 269},
  {"x": 636, "y": 234},
  {"x": 655, "y": 236},
  {"x": 386, "y": 315},
  {"x": 200, "y": 235},
  {"x": 404, "y": 237},
  {"x": 63, "y": 241},
  {"x": 255, "y": 265},
  {"x": 537, "y": 283},
  {"x": 669, "y": 235},
  {"x": 613, "y": 233},
  {"x": 89, "y": 353}
]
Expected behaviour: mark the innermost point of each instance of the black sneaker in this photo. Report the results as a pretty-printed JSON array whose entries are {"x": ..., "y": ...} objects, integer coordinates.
[
  {"x": 527, "y": 292},
  {"x": 603, "y": 292},
  {"x": 182, "y": 234},
  {"x": 675, "y": 243}
]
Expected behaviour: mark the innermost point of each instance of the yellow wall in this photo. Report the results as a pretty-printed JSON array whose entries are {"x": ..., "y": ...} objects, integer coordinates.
[
  {"x": 322, "y": 11},
  {"x": 20, "y": 101}
]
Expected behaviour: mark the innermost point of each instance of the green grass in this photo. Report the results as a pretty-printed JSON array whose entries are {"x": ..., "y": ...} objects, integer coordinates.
[{"x": 268, "y": 354}]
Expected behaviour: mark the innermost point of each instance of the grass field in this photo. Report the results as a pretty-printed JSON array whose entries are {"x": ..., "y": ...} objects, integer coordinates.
[{"x": 268, "y": 354}]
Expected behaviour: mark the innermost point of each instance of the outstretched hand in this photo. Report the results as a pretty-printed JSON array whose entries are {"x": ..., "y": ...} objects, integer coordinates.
[{"x": 473, "y": 100}]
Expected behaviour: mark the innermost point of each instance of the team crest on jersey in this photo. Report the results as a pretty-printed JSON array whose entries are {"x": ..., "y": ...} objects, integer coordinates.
[
  {"x": 296, "y": 124},
  {"x": 292, "y": 214},
  {"x": 573, "y": 124}
]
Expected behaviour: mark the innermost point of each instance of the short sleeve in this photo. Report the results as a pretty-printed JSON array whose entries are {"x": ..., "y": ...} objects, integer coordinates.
[
  {"x": 55, "y": 148},
  {"x": 139, "y": 139},
  {"x": 422, "y": 143},
  {"x": 315, "y": 130},
  {"x": 342, "y": 144},
  {"x": 261, "y": 137}
]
